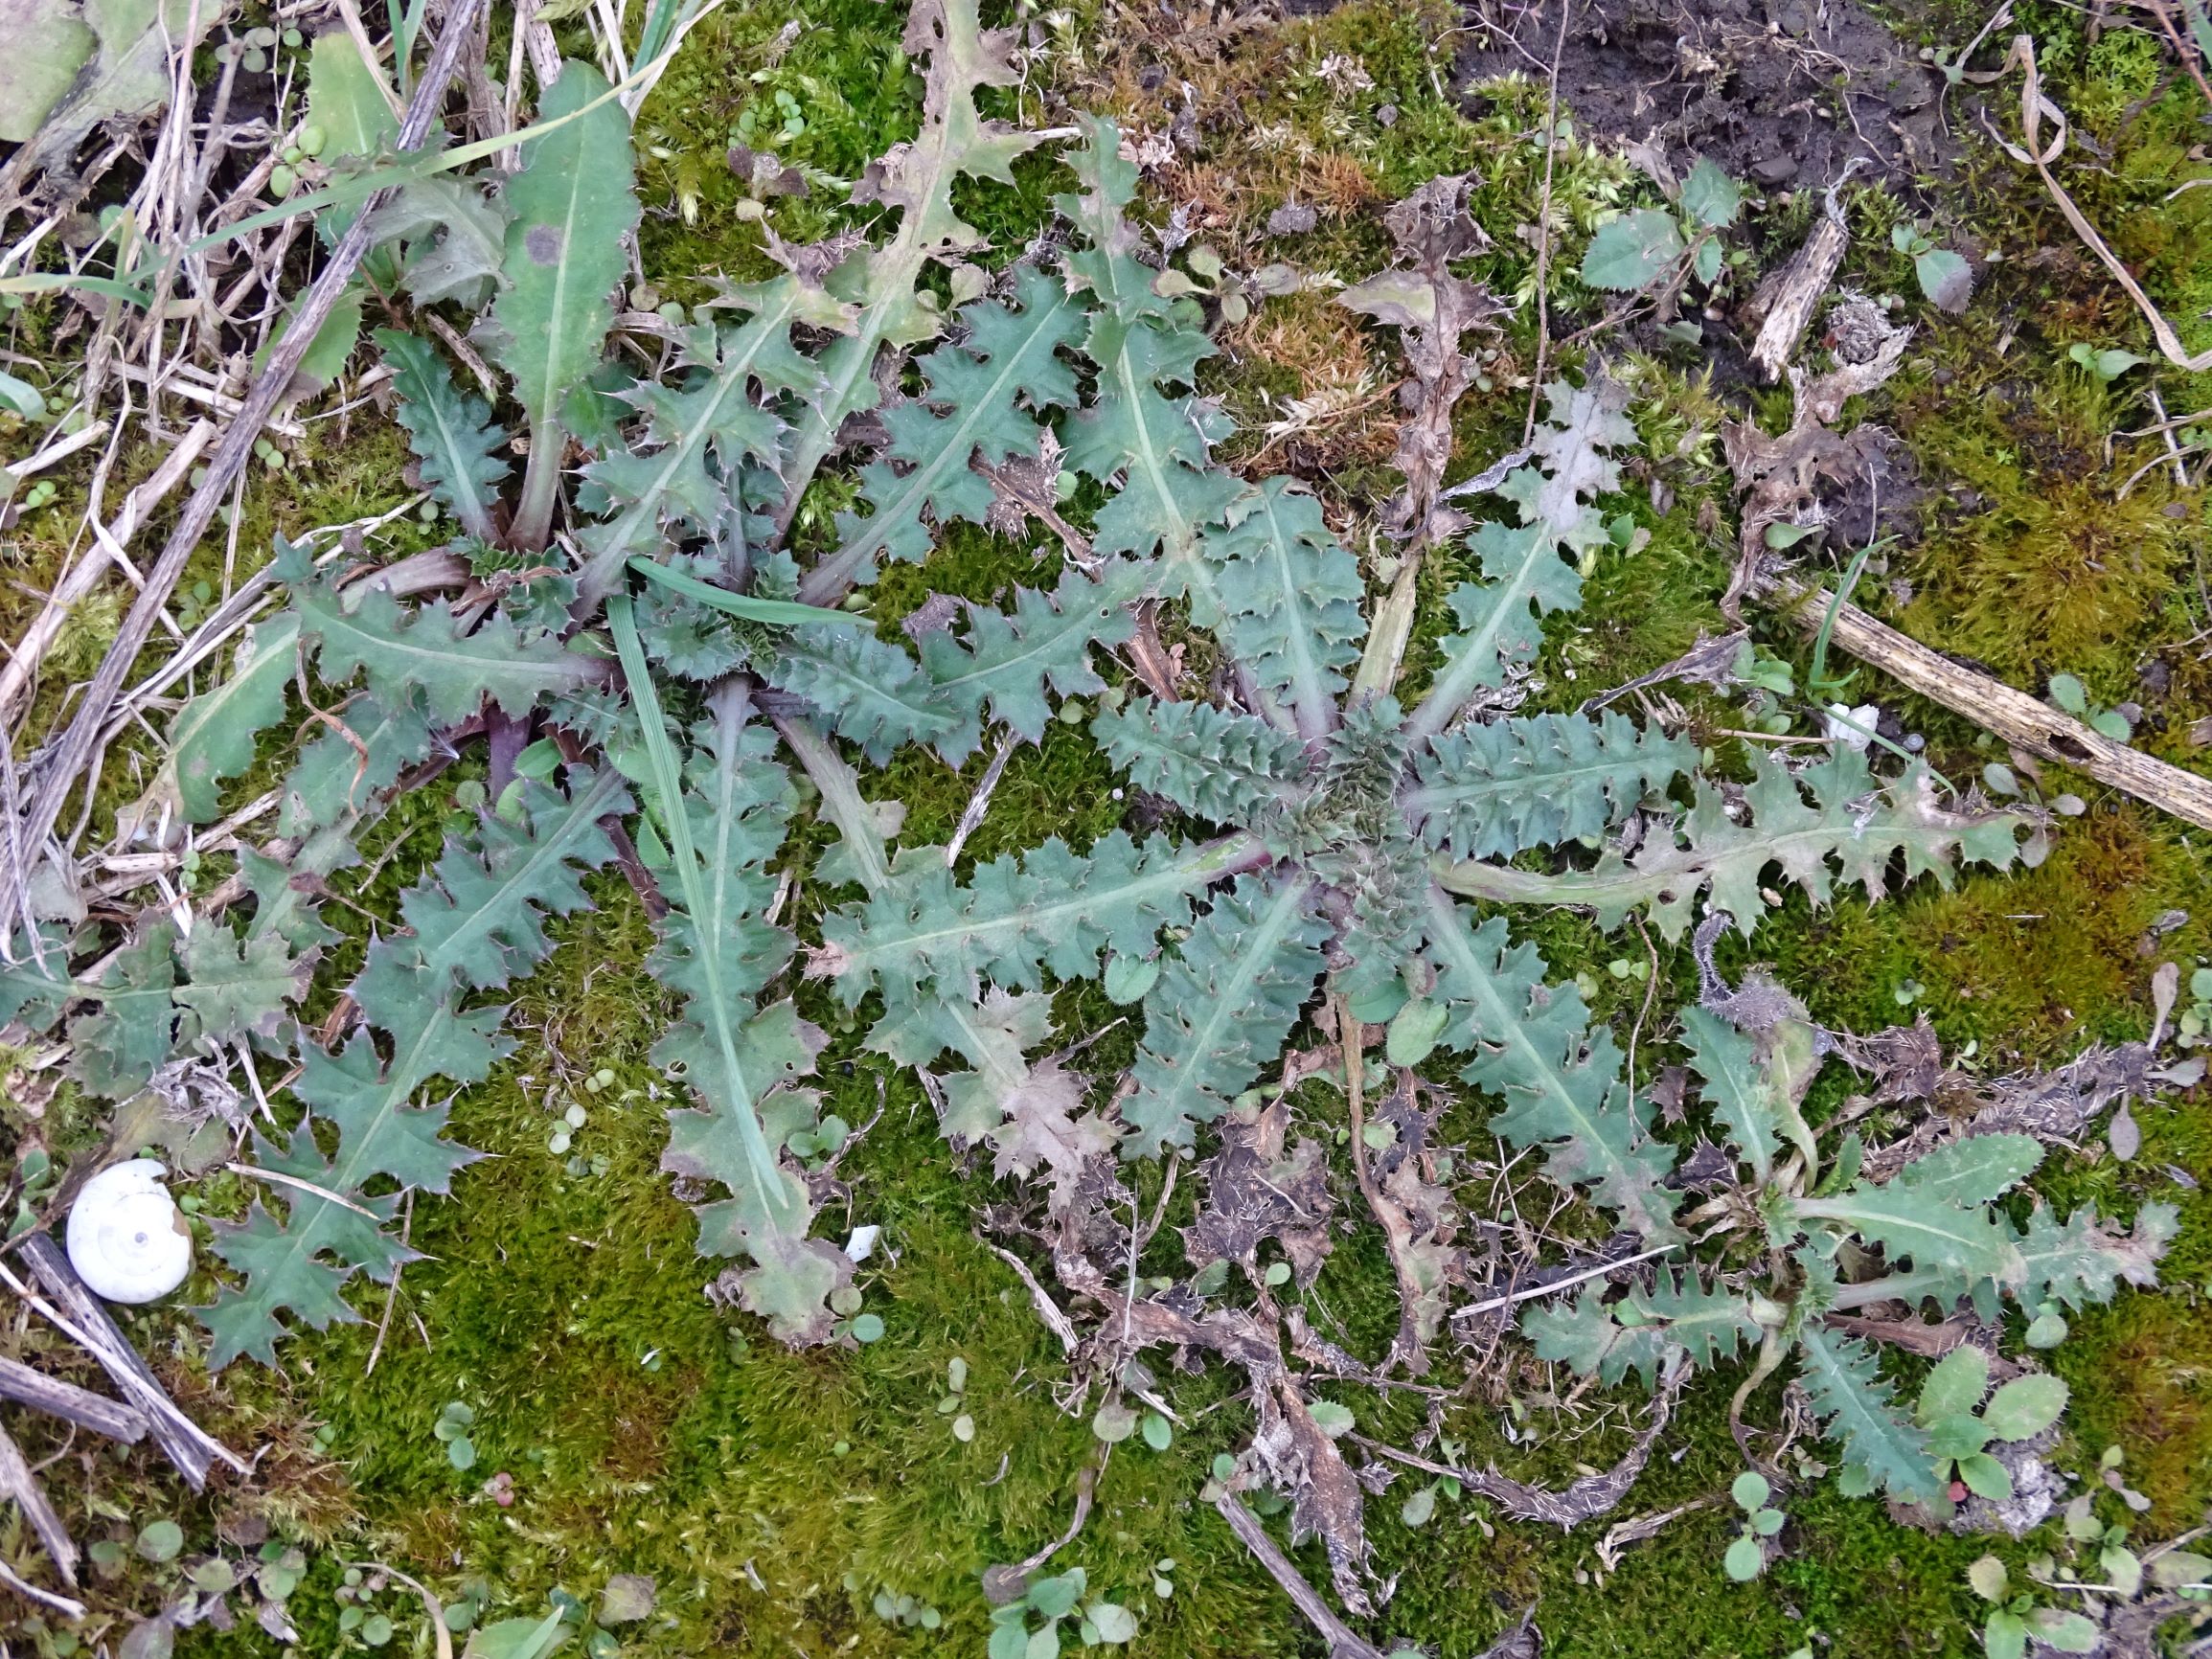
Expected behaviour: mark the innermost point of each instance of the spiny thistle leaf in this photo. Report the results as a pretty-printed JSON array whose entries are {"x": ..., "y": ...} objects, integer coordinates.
[
  {"x": 1002, "y": 667},
  {"x": 1935, "y": 1233},
  {"x": 1050, "y": 910},
  {"x": 456, "y": 236},
  {"x": 380, "y": 1132},
  {"x": 334, "y": 779},
  {"x": 451, "y": 434},
  {"x": 36, "y": 986},
  {"x": 1735, "y": 1086},
  {"x": 980, "y": 400},
  {"x": 1842, "y": 1379},
  {"x": 128, "y": 1037},
  {"x": 240, "y": 985},
  {"x": 572, "y": 201},
  {"x": 1706, "y": 1325},
  {"x": 723, "y": 822},
  {"x": 1524, "y": 576},
  {"x": 1151, "y": 447},
  {"x": 1490, "y": 791},
  {"x": 478, "y": 918},
  {"x": 1584, "y": 1336},
  {"x": 1290, "y": 597},
  {"x": 1215, "y": 764},
  {"x": 2081, "y": 1260},
  {"x": 1561, "y": 1080},
  {"x": 213, "y": 736},
  {"x": 362, "y": 629},
  {"x": 1679, "y": 1314},
  {"x": 1975, "y": 1169},
  {"x": 478, "y": 925},
  {"x": 663, "y": 479},
  {"x": 1220, "y": 1009},
  {"x": 1852, "y": 827},
  {"x": 917, "y": 180},
  {"x": 873, "y": 694},
  {"x": 1031, "y": 1115}
]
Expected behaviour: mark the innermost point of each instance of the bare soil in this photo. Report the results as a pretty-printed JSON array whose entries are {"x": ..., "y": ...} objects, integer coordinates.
[{"x": 1751, "y": 83}]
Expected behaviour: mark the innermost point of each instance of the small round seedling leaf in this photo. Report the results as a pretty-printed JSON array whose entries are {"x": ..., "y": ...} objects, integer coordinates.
[
  {"x": 2064, "y": 1631},
  {"x": 1277, "y": 1274},
  {"x": 1413, "y": 1032},
  {"x": 2123, "y": 1567},
  {"x": 1710, "y": 196},
  {"x": 1989, "y": 1578},
  {"x": 1008, "y": 1640},
  {"x": 2005, "y": 1636},
  {"x": 1743, "y": 1560},
  {"x": 2178, "y": 1567},
  {"x": 1417, "y": 1509},
  {"x": 1629, "y": 252},
  {"x": 1159, "y": 1433},
  {"x": 461, "y": 1452},
  {"x": 1985, "y": 1477},
  {"x": 1331, "y": 1418},
  {"x": 1224, "y": 1465},
  {"x": 376, "y": 1630},
  {"x": 1955, "y": 1385},
  {"x": 1767, "y": 1522},
  {"x": 964, "y": 1428},
  {"x": 2069, "y": 693},
  {"x": 1945, "y": 278},
  {"x": 1957, "y": 1437},
  {"x": 1056, "y": 1597},
  {"x": 2046, "y": 1330},
  {"x": 161, "y": 1541},
  {"x": 1113, "y": 1622},
  {"x": 1706, "y": 262},
  {"x": 868, "y": 1328},
  {"x": 1114, "y": 1423},
  {"x": 1750, "y": 1489},
  {"x": 2026, "y": 1406},
  {"x": 1128, "y": 977}
]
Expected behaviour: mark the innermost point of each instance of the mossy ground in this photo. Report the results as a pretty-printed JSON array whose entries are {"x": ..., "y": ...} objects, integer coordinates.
[{"x": 772, "y": 1494}]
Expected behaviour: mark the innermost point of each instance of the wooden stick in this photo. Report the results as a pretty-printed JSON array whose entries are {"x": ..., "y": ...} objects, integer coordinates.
[
  {"x": 61, "y": 1605},
  {"x": 74, "y": 752},
  {"x": 1345, "y": 1643},
  {"x": 17, "y": 1481},
  {"x": 182, "y": 1441},
  {"x": 2014, "y": 715},
  {"x": 80, "y": 1406}
]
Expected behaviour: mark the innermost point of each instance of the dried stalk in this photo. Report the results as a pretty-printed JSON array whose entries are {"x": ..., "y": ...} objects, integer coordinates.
[
  {"x": 1345, "y": 1643},
  {"x": 111, "y": 1418},
  {"x": 182, "y": 1441},
  {"x": 106, "y": 548},
  {"x": 73, "y": 753},
  {"x": 2019, "y": 719}
]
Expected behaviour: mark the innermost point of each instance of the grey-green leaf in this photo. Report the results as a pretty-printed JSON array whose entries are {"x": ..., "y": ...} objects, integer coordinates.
[
  {"x": 1630, "y": 253},
  {"x": 574, "y": 200}
]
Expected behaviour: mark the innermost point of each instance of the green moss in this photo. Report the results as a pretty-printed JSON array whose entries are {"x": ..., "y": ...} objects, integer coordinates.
[{"x": 771, "y": 1494}]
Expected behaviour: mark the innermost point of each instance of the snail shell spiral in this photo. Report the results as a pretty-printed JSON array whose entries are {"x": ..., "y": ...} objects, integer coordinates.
[{"x": 126, "y": 1238}]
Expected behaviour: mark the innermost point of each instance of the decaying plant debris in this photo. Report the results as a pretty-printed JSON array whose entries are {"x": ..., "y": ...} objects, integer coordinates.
[{"x": 1302, "y": 1006}]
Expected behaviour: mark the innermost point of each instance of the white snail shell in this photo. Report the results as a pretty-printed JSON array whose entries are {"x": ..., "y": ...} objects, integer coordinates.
[{"x": 127, "y": 1240}]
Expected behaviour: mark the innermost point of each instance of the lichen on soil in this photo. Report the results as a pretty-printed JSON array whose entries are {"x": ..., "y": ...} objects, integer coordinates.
[{"x": 772, "y": 1495}]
